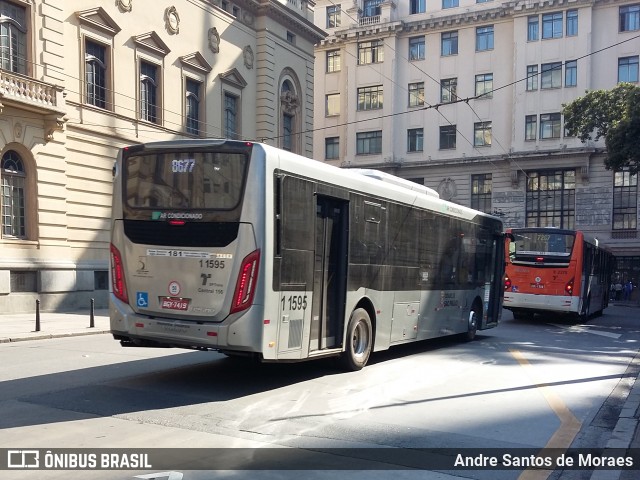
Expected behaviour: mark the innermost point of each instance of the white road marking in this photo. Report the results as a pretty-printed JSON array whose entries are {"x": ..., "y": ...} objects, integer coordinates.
[{"x": 587, "y": 329}]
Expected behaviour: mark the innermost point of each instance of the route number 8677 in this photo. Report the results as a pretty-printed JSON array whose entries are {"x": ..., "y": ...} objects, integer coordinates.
[{"x": 294, "y": 302}]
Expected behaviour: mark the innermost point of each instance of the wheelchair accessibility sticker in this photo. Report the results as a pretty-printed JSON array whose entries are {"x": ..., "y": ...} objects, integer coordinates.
[{"x": 142, "y": 299}]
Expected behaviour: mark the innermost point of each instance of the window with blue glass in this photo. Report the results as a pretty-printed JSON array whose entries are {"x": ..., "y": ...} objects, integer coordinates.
[{"x": 552, "y": 25}]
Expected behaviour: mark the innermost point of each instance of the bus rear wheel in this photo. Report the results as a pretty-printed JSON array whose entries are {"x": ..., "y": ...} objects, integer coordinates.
[
  {"x": 474, "y": 318},
  {"x": 359, "y": 341}
]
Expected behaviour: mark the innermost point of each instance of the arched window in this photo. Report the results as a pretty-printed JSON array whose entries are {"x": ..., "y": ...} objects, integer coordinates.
[
  {"x": 289, "y": 105},
  {"x": 13, "y": 195}
]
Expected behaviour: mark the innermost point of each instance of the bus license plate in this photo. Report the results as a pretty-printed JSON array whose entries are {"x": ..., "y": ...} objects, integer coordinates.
[{"x": 174, "y": 303}]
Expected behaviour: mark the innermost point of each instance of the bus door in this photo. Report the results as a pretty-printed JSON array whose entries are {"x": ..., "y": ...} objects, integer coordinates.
[
  {"x": 329, "y": 273},
  {"x": 494, "y": 288}
]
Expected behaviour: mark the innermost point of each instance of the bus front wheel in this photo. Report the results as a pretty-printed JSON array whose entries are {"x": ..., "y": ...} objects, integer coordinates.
[{"x": 359, "y": 340}]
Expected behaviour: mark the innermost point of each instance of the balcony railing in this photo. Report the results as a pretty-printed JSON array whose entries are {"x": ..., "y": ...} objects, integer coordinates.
[
  {"x": 29, "y": 91},
  {"x": 364, "y": 21}
]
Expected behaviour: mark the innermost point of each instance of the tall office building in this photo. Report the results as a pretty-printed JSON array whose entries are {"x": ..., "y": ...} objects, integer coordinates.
[{"x": 466, "y": 97}]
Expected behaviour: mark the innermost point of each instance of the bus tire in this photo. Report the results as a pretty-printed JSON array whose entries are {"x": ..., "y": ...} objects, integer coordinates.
[
  {"x": 359, "y": 341},
  {"x": 474, "y": 318}
]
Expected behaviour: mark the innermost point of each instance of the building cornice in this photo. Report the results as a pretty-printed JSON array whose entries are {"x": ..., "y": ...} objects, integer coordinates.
[{"x": 445, "y": 19}]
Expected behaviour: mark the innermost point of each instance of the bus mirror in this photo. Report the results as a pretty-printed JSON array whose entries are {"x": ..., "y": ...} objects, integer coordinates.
[{"x": 510, "y": 236}]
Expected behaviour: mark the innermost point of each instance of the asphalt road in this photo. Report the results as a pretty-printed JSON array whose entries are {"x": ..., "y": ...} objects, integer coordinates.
[{"x": 524, "y": 385}]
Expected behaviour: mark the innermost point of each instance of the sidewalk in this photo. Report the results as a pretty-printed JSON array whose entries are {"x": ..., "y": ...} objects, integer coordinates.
[{"x": 22, "y": 326}]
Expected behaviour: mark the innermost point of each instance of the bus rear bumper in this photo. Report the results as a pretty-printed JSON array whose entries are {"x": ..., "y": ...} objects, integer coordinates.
[
  {"x": 543, "y": 303},
  {"x": 135, "y": 329}
]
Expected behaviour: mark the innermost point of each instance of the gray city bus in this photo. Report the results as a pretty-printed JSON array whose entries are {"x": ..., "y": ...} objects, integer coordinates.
[{"x": 250, "y": 250}]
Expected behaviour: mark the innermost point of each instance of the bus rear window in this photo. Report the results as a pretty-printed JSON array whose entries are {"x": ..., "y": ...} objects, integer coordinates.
[
  {"x": 544, "y": 244},
  {"x": 185, "y": 180}
]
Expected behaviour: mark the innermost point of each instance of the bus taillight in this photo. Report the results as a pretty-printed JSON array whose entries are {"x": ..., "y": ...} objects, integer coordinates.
[
  {"x": 569, "y": 287},
  {"x": 246, "y": 284},
  {"x": 507, "y": 283},
  {"x": 117, "y": 275}
]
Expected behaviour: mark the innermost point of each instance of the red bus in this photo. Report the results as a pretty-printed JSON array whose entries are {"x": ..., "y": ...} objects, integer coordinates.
[{"x": 556, "y": 271}]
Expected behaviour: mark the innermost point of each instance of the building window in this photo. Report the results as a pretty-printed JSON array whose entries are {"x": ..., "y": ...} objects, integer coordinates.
[
  {"x": 418, "y": 6},
  {"x": 530, "y": 127},
  {"x": 291, "y": 38},
  {"x": 481, "y": 192},
  {"x": 333, "y": 61},
  {"x": 23, "y": 281},
  {"x": 551, "y": 199},
  {"x": 572, "y": 23},
  {"x": 371, "y": 8},
  {"x": 447, "y": 137},
  {"x": 415, "y": 137},
  {"x": 192, "y": 88},
  {"x": 625, "y": 200},
  {"x": 532, "y": 77},
  {"x": 230, "y": 116},
  {"x": 287, "y": 132},
  {"x": 416, "y": 94},
  {"x": 101, "y": 280},
  {"x": 550, "y": 125},
  {"x": 533, "y": 25},
  {"x": 552, "y": 25},
  {"x": 148, "y": 92},
  {"x": 332, "y": 148},
  {"x": 370, "y": 98},
  {"x": 13, "y": 196},
  {"x": 484, "y": 85},
  {"x": 368, "y": 143},
  {"x": 96, "y": 73},
  {"x": 551, "y": 76},
  {"x": 13, "y": 38},
  {"x": 448, "y": 90},
  {"x": 484, "y": 38},
  {"x": 628, "y": 69},
  {"x": 333, "y": 16},
  {"x": 449, "y": 3},
  {"x": 370, "y": 52},
  {"x": 332, "y": 104},
  {"x": 482, "y": 134},
  {"x": 417, "y": 49},
  {"x": 629, "y": 18},
  {"x": 571, "y": 73},
  {"x": 449, "y": 44},
  {"x": 289, "y": 120}
]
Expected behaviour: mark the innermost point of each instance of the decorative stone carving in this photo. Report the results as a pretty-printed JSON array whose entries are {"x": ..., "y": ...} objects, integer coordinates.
[
  {"x": 214, "y": 40},
  {"x": 17, "y": 131},
  {"x": 54, "y": 123},
  {"x": 125, "y": 5},
  {"x": 172, "y": 20},
  {"x": 289, "y": 102},
  {"x": 248, "y": 57},
  {"x": 248, "y": 18},
  {"x": 447, "y": 189}
]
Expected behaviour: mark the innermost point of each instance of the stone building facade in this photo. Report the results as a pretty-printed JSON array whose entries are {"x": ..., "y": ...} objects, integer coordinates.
[
  {"x": 79, "y": 80},
  {"x": 465, "y": 96}
]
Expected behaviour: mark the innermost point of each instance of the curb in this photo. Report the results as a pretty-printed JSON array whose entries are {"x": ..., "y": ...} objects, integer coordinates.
[
  {"x": 623, "y": 433},
  {"x": 48, "y": 336}
]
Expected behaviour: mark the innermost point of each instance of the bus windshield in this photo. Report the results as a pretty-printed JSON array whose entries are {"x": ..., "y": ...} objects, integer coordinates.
[
  {"x": 185, "y": 180},
  {"x": 542, "y": 243}
]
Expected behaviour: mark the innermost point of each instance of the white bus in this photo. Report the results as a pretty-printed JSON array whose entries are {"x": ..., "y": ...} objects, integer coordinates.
[{"x": 250, "y": 250}]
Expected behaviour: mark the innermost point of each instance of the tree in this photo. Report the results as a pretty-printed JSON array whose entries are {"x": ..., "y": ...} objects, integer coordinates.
[{"x": 613, "y": 115}]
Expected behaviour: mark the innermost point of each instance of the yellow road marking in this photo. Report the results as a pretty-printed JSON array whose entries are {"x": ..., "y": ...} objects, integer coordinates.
[{"x": 569, "y": 424}]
